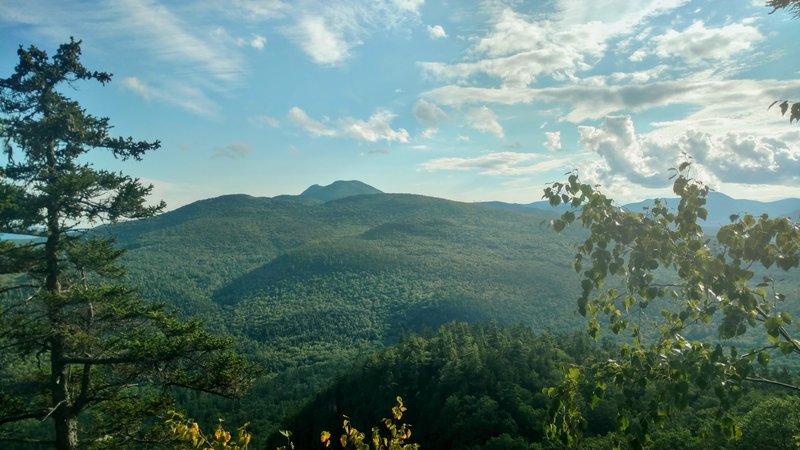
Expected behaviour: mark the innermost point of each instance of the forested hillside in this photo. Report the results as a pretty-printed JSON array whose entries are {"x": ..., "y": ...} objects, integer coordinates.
[{"x": 305, "y": 287}]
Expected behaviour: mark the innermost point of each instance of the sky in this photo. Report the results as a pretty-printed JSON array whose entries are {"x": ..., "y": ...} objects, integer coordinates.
[{"x": 465, "y": 100}]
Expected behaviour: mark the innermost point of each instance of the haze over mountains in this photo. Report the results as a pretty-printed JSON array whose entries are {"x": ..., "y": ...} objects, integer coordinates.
[{"x": 720, "y": 207}]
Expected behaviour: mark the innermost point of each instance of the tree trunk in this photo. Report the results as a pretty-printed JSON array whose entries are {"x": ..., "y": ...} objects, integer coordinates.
[
  {"x": 66, "y": 422},
  {"x": 63, "y": 414}
]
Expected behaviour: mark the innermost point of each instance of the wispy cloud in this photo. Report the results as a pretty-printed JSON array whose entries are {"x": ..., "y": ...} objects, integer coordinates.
[
  {"x": 265, "y": 121},
  {"x": 232, "y": 151},
  {"x": 496, "y": 164},
  {"x": 328, "y": 31},
  {"x": 520, "y": 48},
  {"x": 376, "y": 128},
  {"x": 299, "y": 117},
  {"x": 428, "y": 113},
  {"x": 186, "y": 97},
  {"x": 183, "y": 54},
  {"x": 484, "y": 120},
  {"x": 698, "y": 43}
]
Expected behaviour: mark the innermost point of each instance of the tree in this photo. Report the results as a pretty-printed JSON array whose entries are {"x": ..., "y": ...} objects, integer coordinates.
[
  {"x": 634, "y": 262},
  {"x": 75, "y": 341},
  {"x": 792, "y": 5}
]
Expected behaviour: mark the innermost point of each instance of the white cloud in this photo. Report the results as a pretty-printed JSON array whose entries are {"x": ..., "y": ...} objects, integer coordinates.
[
  {"x": 616, "y": 143},
  {"x": 723, "y": 99},
  {"x": 730, "y": 157},
  {"x": 411, "y": 6},
  {"x": 377, "y": 128},
  {"x": 152, "y": 37},
  {"x": 323, "y": 43},
  {"x": 136, "y": 85},
  {"x": 484, "y": 120},
  {"x": 258, "y": 42},
  {"x": 697, "y": 43},
  {"x": 299, "y": 117},
  {"x": 232, "y": 151},
  {"x": 520, "y": 48},
  {"x": 186, "y": 97},
  {"x": 428, "y": 113},
  {"x": 436, "y": 32},
  {"x": 553, "y": 140},
  {"x": 329, "y": 31},
  {"x": 253, "y": 9},
  {"x": 495, "y": 164},
  {"x": 429, "y": 133}
]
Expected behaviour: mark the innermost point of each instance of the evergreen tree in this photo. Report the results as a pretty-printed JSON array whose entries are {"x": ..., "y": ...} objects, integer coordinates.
[{"x": 76, "y": 342}]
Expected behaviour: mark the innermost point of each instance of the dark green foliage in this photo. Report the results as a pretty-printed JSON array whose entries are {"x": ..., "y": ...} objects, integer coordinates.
[
  {"x": 310, "y": 287},
  {"x": 466, "y": 387},
  {"x": 772, "y": 423},
  {"x": 358, "y": 270}
]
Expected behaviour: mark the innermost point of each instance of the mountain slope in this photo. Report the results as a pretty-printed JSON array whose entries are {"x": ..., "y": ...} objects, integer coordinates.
[
  {"x": 338, "y": 190},
  {"x": 292, "y": 276},
  {"x": 720, "y": 207}
]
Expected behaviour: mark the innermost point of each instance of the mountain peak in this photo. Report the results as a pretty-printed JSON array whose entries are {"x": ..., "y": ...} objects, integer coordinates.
[{"x": 339, "y": 189}]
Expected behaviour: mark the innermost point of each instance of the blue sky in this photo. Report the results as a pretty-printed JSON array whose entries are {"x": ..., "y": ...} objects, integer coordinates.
[{"x": 467, "y": 100}]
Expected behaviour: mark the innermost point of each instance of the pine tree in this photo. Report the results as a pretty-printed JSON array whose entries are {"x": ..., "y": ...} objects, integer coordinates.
[{"x": 75, "y": 341}]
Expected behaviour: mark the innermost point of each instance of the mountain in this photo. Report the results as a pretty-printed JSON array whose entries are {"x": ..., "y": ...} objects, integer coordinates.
[
  {"x": 720, "y": 207},
  {"x": 338, "y": 190},
  {"x": 294, "y": 277}
]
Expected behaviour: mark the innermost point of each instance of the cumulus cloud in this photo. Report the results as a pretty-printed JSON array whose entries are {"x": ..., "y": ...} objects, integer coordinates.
[
  {"x": 377, "y": 128},
  {"x": 428, "y": 113},
  {"x": 698, "y": 43},
  {"x": 495, "y": 164},
  {"x": 436, "y": 32},
  {"x": 484, "y": 120},
  {"x": 258, "y": 42},
  {"x": 731, "y": 157},
  {"x": 232, "y": 151},
  {"x": 553, "y": 140},
  {"x": 299, "y": 117},
  {"x": 623, "y": 153}
]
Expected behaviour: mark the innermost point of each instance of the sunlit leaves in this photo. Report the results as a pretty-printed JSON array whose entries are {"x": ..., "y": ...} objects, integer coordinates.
[{"x": 662, "y": 256}]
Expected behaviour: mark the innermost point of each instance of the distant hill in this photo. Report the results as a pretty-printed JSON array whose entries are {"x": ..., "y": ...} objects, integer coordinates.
[
  {"x": 356, "y": 271},
  {"x": 310, "y": 283},
  {"x": 338, "y": 190},
  {"x": 720, "y": 207}
]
